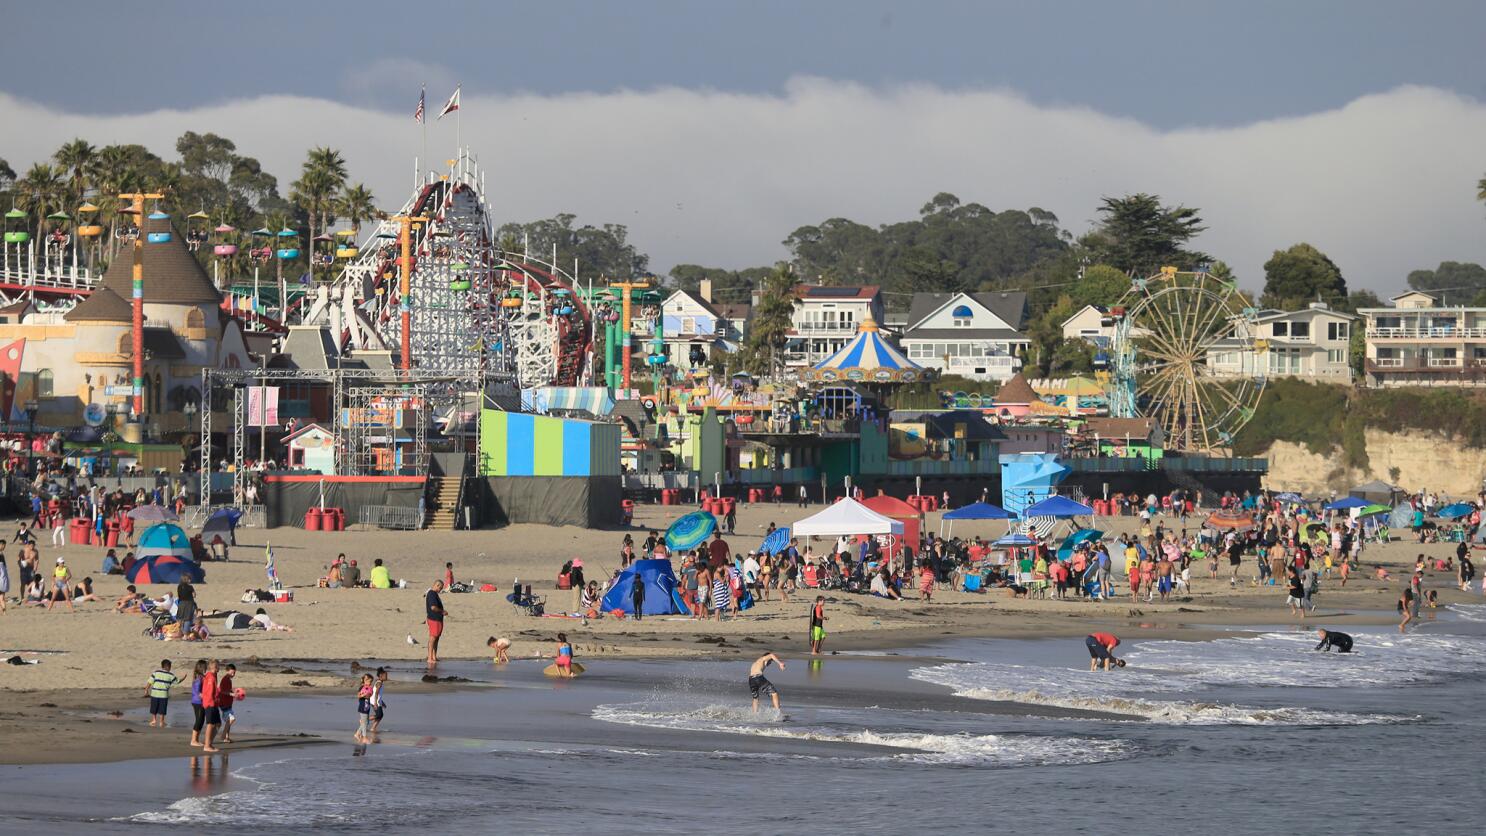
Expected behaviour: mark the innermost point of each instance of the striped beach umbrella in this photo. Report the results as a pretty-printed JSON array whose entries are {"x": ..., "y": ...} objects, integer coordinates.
[{"x": 690, "y": 531}]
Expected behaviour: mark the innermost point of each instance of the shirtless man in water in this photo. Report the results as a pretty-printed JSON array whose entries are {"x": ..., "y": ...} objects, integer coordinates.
[{"x": 758, "y": 684}]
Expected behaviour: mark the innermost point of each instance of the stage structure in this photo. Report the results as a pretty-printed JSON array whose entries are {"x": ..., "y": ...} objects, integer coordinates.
[
  {"x": 380, "y": 418},
  {"x": 471, "y": 307}
]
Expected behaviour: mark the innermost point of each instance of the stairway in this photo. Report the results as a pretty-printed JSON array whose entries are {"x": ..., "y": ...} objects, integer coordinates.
[{"x": 442, "y": 498}]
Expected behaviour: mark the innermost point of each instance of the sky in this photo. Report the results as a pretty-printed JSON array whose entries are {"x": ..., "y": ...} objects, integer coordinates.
[{"x": 715, "y": 129}]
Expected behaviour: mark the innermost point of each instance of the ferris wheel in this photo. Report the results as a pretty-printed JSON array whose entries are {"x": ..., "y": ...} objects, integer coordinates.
[{"x": 1167, "y": 329}]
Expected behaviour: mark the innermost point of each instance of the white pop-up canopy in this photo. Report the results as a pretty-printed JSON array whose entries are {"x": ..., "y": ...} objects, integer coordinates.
[{"x": 847, "y": 517}]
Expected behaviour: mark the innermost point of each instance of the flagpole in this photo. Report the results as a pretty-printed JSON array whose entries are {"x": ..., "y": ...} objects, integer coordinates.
[{"x": 424, "y": 121}]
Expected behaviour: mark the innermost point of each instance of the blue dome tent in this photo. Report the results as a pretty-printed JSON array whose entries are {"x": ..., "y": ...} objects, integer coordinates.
[
  {"x": 164, "y": 539},
  {"x": 661, "y": 595}
]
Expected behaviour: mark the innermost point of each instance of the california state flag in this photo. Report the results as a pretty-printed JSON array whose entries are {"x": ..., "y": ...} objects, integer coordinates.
[{"x": 451, "y": 105}]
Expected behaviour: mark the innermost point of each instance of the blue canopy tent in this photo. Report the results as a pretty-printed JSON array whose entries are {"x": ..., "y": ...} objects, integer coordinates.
[
  {"x": 1059, "y": 507},
  {"x": 1346, "y": 503},
  {"x": 164, "y": 539},
  {"x": 975, "y": 511},
  {"x": 661, "y": 595}
]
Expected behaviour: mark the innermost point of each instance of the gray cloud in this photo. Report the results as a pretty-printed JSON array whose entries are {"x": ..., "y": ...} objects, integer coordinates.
[{"x": 1384, "y": 185}]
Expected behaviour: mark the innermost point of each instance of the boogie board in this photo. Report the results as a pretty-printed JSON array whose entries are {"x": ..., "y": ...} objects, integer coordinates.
[{"x": 551, "y": 670}]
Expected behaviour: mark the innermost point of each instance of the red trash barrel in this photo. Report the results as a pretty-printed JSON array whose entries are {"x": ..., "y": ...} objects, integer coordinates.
[
  {"x": 667, "y": 497},
  {"x": 340, "y": 519},
  {"x": 312, "y": 519},
  {"x": 112, "y": 540},
  {"x": 77, "y": 531},
  {"x": 729, "y": 504}
]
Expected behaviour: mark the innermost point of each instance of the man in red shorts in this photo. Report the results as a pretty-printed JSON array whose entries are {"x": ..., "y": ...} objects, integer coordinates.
[{"x": 435, "y": 617}]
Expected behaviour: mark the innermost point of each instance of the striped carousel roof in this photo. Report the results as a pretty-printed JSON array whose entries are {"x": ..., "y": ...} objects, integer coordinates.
[{"x": 868, "y": 358}]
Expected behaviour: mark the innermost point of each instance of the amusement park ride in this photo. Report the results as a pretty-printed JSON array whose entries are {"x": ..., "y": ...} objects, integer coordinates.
[{"x": 1164, "y": 328}]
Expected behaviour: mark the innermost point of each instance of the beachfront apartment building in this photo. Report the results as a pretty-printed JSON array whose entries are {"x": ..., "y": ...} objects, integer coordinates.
[
  {"x": 1312, "y": 344},
  {"x": 973, "y": 335},
  {"x": 826, "y": 319},
  {"x": 1418, "y": 342}
]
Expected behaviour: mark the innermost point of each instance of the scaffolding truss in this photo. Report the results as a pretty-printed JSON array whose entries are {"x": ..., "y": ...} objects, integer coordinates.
[{"x": 434, "y": 394}]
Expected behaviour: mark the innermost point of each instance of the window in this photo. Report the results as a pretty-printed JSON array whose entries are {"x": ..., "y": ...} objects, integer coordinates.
[
  {"x": 962, "y": 316},
  {"x": 1336, "y": 356},
  {"x": 1300, "y": 330},
  {"x": 1389, "y": 322},
  {"x": 1336, "y": 331},
  {"x": 194, "y": 320},
  {"x": 1280, "y": 329},
  {"x": 688, "y": 325},
  {"x": 44, "y": 383}
]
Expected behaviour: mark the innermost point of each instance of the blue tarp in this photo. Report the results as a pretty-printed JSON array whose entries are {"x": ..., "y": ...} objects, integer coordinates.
[
  {"x": 661, "y": 595},
  {"x": 980, "y": 511}
]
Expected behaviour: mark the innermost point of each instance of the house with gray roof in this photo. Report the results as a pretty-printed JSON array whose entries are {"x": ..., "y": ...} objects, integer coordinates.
[{"x": 974, "y": 335}]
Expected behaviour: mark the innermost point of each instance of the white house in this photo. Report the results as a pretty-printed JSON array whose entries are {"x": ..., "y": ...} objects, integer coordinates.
[
  {"x": 826, "y": 319},
  {"x": 689, "y": 326},
  {"x": 974, "y": 335},
  {"x": 1088, "y": 324},
  {"x": 1417, "y": 342},
  {"x": 1311, "y": 344}
]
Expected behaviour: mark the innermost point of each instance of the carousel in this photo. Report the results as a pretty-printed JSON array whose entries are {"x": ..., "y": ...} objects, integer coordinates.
[{"x": 868, "y": 358}]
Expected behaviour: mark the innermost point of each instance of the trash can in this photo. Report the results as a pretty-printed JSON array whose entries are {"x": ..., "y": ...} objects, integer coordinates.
[
  {"x": 112, "y": 538},
  {"x": 313, "y": 520}
]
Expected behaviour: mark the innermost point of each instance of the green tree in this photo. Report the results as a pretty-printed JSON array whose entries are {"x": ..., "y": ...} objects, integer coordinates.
[
  {"x": 1453, "y": 282},
  {"x": 603, "y": 251},
  {"x": 358, "y": 204},
  {"x": 1138, "y": 235},
  {"x": 42, "y": 191},
  {"x": 77, "y": 160},
  {"x": 768, "y": 330},
  {"x": 1101, "y": 285},
  {"x": 727, "y": 285},
  {"x": 1300, "y": 275}
]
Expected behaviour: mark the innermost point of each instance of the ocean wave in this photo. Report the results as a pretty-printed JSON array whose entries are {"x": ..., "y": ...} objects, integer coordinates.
[
  {"x": 954, "y": 749},
  {"x": 1067, "y": 689},
  {"x": 1468, "y": 612}
]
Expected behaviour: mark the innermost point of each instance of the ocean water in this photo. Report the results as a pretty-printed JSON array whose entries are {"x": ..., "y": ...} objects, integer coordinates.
[{"x": 1258, "y": 734}]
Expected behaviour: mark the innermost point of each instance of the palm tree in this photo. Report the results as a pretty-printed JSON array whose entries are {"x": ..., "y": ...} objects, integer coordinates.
[
  {"x": 1481, "y": 189},
  {"x": 78, "y": 161},
  {"x": 42, "y": 191},
  {"x": 314, "y": 192},
  {"x": 357, "y": 204},
  {"x": 329, "y": 161}
]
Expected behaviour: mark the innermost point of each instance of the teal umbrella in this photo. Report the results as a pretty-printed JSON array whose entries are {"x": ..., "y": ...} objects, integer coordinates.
[{"x": 690, "y": 531}]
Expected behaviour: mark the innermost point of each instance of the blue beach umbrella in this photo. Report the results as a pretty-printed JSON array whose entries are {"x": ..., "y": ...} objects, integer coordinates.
[
  {"x": 1347, "y": 504},
  {"x": 776, "y": 542},
  {"x": 1455, "y": 510},
  {"x": 1290, "y": 496},
  {"x": 690, "y": 531},
  {"x": 1077, "y": 538},
  {"x": 1021, "y": 540}
]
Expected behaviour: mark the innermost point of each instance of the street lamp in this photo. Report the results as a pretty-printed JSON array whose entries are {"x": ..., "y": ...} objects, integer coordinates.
[{"x": 32, "y": 407}]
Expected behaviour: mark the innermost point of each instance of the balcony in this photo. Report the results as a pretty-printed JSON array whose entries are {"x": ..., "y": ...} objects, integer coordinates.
[
  {"x": 1447, "y": 366},
  {"x": 822, "y": 328},
  {"x": 1440, "y": 333}
]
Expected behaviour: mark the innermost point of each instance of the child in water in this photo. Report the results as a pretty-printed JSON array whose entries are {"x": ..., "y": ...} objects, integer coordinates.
[{"x": 363, "y": 707}]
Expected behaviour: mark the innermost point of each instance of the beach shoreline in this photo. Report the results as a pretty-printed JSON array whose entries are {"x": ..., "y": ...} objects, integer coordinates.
[{"x": 59, "y": 711}]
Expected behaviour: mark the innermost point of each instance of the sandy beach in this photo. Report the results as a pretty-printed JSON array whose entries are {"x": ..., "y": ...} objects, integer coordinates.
[{"x": 94, "y": 661}]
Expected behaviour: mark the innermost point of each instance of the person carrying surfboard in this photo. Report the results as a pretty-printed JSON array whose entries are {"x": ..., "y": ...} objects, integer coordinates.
[{"x": 758, "y": 684}]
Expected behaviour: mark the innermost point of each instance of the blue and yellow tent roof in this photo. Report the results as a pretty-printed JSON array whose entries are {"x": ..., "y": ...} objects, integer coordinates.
[{"x": 868, "y": 358}]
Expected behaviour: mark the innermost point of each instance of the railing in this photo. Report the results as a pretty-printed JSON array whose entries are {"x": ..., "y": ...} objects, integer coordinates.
[
  {"x": 815, "y": 327},
  {"x": 1434, "y": 333},
  {"x": 1471, "y": 366}
]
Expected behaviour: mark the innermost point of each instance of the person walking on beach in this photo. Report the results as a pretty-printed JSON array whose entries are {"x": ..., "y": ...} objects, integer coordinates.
[
  {"x": 1101, "y": 650},
  {"x": 158, "y": 690},
  {"x": 61, "y": 586},
  {"x": 209, "y": 705},
  {"x": 198, "y": 674},
  {"x": 722, "y": 596},
  {"x": 225, "y": 699},
  {"x": 434, "y": 616},
  {"x": 759, "y": 685},
  {"x": 817, "y": 625},
  {"x": 378, "y": 702},
  {"x": 363, "y": 708}
]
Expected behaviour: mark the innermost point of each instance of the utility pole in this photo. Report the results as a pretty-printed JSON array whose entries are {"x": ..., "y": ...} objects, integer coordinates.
[{"x": 136, "y": 208}]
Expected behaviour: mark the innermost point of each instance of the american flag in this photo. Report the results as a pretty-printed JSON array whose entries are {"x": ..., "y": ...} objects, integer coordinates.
[{"x": 418, "y": 114}]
